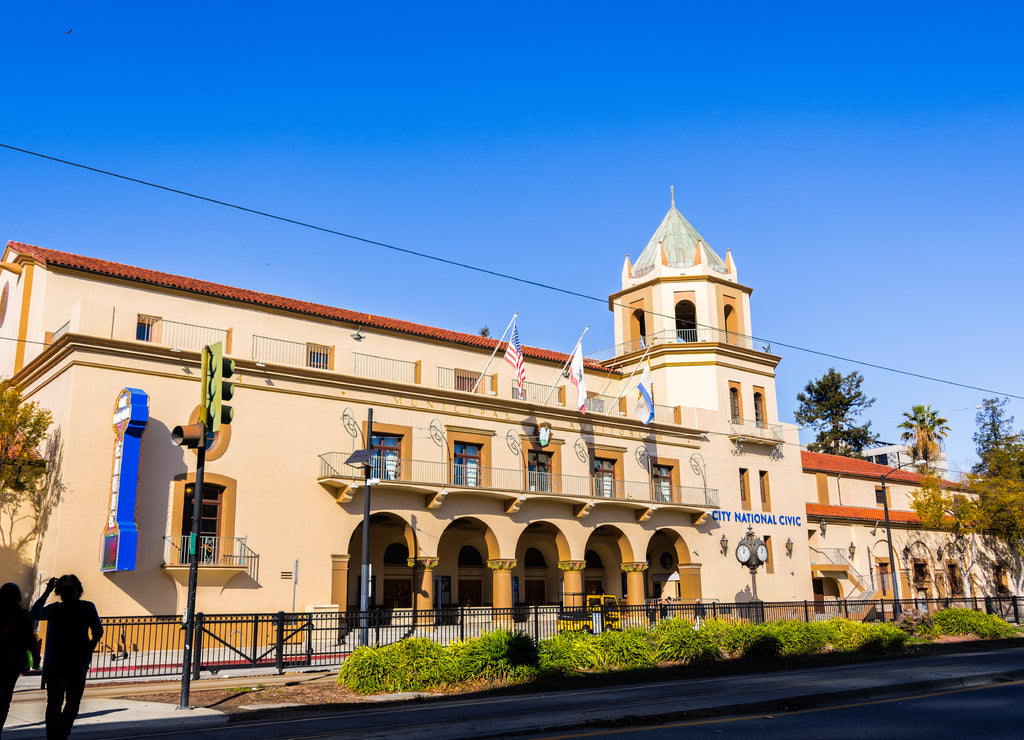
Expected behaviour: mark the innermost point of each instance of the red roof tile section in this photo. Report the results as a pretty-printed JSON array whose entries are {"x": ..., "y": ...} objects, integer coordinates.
[
  {"x": 822, "y": 463},
  {"x": 861, "y": 513},
  {"x": 51, "y": 257}
]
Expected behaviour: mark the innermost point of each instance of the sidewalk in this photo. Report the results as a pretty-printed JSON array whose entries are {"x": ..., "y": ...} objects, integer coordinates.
[
  {"x": 101, "y": 717},
  {"x": 104, "y": 717}
]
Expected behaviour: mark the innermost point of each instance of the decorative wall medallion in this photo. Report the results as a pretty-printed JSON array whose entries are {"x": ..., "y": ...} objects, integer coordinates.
[
  {"x": 437, "y": 432},
  {"x": 581, "y": 450},
  {"x": 544, "y": 434},
  {"x": 348, "y": 420},
  {"x": 642, "y": 458},
  {"x": 512, "y": 440}
]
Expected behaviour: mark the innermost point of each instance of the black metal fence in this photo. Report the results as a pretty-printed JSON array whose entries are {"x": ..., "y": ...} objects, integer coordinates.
[{"x": 153, "y": 646}]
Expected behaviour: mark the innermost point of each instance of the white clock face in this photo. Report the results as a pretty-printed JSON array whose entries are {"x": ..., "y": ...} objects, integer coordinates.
[
  {"x": 762, "y": 553},
  {"x": 743, "y": 553}
]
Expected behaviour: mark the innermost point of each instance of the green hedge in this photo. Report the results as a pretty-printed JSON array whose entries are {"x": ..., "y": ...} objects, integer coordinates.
[
  {"x": 420, "y": 664},
  {"x": 967, "y": 622}
]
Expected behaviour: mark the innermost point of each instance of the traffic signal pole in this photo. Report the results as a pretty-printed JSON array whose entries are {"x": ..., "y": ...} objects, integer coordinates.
[{"x": 193, "y": 570}]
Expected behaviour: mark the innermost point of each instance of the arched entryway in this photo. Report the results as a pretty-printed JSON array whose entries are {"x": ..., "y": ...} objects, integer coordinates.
[
  {"x": 461, "y": 576},
  {"x": 537, "y": 577},
  {"x": 606, "y": 551},
  {"x": 670, "y": 569},
  {"x": 392, "y": 544}
]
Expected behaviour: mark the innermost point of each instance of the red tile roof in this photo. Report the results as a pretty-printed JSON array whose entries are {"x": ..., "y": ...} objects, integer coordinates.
[
  {"x": 861, "y": 513},
  {"x": 822, "y": 463},
  {"x": 51, "y": 257}
]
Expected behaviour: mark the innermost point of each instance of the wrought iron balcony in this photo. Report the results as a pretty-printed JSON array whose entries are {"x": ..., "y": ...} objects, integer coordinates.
[
  {"x": 178, "y": 334},
  {"x": 385, "y": 368},
  {"x": 230, "y": 555},
  {"x": 755, "y": 431},
  {"x": 296, "y": 354}
]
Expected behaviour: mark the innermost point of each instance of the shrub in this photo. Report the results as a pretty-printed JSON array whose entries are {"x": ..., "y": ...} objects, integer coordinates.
[
  {"x": 914, "y": 621},
  {"x": 968, "y": 622},
  {"x": 677, "y": 641},
  {"x": 847, "y": 636},
  {"x": 409, "y": 665},
  {"x": 503, "y": 655},
  {"x": 569, "y": 652},
  {"x": 630, "y": 648}
]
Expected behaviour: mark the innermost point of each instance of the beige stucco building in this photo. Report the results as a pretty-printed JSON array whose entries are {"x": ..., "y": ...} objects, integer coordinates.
[{"x": 469, "y": 506}]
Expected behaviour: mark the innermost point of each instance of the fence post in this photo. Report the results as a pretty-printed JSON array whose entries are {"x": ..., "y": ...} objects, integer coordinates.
[
  {"x": 279, "y": 657},
  {"x": 462, "y": 621},
  {"x": 846, "y": 608},
  {"x": 255, "y": 637},
  {"x": 714, "y": 610},
  {"x": 197, "y": 651},
  {"x": 807, "y": 613},
  {"x": 881, "y": 608},
  {"x": 536, "y": 622},
  {"x": 1016, "y": 613}
]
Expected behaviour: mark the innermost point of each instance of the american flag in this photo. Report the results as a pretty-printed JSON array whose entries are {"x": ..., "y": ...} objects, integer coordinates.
[{"x": 514, "y": 354}]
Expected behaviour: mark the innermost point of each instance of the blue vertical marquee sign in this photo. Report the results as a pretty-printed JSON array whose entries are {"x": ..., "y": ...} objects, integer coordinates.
[{"x": 121, "y": 534}]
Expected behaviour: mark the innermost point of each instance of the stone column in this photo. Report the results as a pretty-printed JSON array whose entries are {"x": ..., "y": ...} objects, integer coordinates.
[
  {"x": 572, "y": 581},
  {"x": 501, "y": 590},
  {"x": 423, "y": 588},
  {"x": 339, "y": 581},
  {"x": 634, "y": 582}
]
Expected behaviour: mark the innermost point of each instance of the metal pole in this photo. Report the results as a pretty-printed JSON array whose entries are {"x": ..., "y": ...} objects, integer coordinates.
[
  {"x": 481, "y": 376},
  {"x": 364, "y": 568},
  {"x": 893, "y": 573},
  {"x": 193, "y": 568},
  {"x": 571, "y": 355}
]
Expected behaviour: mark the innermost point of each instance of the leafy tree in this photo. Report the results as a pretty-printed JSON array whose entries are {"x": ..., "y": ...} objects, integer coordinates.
[
  {"x": 830, "y": 405},
  {"x": 924, "y": 431},
  {"x": 27, "y": 491},
  {"x": 1000, "y": 449},
  {"x": 485, "y": 331},
  {"x": 959, "y": 513},
  {"x": 1001, "y": 501}
]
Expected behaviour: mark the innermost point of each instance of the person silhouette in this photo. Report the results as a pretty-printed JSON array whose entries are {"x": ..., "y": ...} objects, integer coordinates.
[
  {"x": 72, "y": 633},
  {"x": 18, "y": 645}
]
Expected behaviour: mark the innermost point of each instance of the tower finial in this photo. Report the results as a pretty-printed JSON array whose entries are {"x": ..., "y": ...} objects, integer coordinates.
[{"x": 672, "y": 189}]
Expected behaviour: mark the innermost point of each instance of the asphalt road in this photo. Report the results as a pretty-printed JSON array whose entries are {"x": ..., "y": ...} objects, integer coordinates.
[{"x": 990, "y": 712}]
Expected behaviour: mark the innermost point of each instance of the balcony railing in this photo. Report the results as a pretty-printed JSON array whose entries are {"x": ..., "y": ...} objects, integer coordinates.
[
  {"x": 604, "y": 405},
  {"x": 462, "y": 380},
  {"x": 471, "y": 475},
  {"x": 759, "y": 430},
  {"x": 385, "y": 368},
  {"x": 287, "y": 352},
  {"x": 185, "y": 336},
  {"x": 537, "y": 392},
  {"x": 224, "y": 552}
]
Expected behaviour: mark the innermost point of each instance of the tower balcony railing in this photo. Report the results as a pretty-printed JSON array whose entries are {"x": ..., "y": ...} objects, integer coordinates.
[
  {"x": 675, "y": 336},
  {"x": 220, "y": 552},
  {"x": 472, "y": 475}
]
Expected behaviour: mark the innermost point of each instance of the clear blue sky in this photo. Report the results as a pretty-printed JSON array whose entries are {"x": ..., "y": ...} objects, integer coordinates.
[{"x": 863, "y": 162}]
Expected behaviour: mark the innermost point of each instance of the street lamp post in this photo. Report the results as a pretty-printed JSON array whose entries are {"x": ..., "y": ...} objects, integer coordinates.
[{"x": 896, "y": 610}]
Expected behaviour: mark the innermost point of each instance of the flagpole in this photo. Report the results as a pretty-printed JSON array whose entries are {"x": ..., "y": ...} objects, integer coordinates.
[
  {"x": 560, "y": 372},
  {"x": 491, "y": 358},
  {"x": 626, "y": 384}
]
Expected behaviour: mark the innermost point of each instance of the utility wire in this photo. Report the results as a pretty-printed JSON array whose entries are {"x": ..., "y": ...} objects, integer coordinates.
[{"x": 484, "y": 270}]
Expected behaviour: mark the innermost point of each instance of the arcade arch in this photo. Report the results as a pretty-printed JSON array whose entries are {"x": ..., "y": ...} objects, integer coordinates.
[{"x": 391, "y": 580}]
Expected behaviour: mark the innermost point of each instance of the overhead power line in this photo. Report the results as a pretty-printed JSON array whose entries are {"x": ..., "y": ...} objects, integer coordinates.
[{"x": 484, "y": 270}]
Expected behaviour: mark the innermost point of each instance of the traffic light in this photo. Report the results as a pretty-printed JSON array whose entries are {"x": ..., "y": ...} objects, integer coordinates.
[{"x": 217, "y": 388}]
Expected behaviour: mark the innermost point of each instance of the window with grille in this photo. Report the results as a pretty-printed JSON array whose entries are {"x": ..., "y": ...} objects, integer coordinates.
[
  {"x": 386, "y": 462},
  {"x": 318, "y": 356},
  {"x": 734, "y": 405},
  {"x": 465, "y": 380},
  {"x": 145, "y": 328}
]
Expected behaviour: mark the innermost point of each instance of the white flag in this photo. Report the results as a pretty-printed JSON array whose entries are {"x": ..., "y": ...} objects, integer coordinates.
[
  {"x": 644, "y": 408},
  {"x": 576, "y": 370}
]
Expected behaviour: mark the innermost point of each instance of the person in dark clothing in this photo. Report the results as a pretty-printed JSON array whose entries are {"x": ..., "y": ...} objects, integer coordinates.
[
  {"x": 72, "y": 633},
  {"x": 18, "y": 645}
]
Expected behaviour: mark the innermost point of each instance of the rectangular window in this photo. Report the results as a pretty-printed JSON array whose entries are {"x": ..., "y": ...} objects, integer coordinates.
[
  {"x": 884, "y": 580},
  {"x": 386, "y": 463},
  {"x": 744, "y": 489},
  {"x": 145, "y": 328},
  {"x": 604, "y": 478},
  {"x": 661, "y": 477},
  {"x": 920, "y": 574},
  {"x": 956, "y": 586},
  {"x": 881, "y": 497},
  {"x": 466, "y": 470},
  {"x": 465, "y": 381},
  {"x": 318, "y": 356},
  {"x": 538, "y": 472},
  {"x": 766, "y": 495},
  {"x": 821, "y": 481}
]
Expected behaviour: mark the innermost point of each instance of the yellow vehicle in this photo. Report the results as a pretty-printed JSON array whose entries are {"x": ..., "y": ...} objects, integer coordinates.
[{"x": 601, "y": 612}]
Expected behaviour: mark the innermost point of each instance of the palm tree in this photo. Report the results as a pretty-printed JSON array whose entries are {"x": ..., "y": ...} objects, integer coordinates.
[{"x": 924, "y": 432}]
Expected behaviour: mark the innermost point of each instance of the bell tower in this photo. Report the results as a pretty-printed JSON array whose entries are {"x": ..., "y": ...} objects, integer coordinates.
[{"x": 683, "y": 310}]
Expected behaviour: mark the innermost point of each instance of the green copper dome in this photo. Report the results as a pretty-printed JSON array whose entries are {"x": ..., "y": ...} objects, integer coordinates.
[{"x": 679, "y": 241}]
